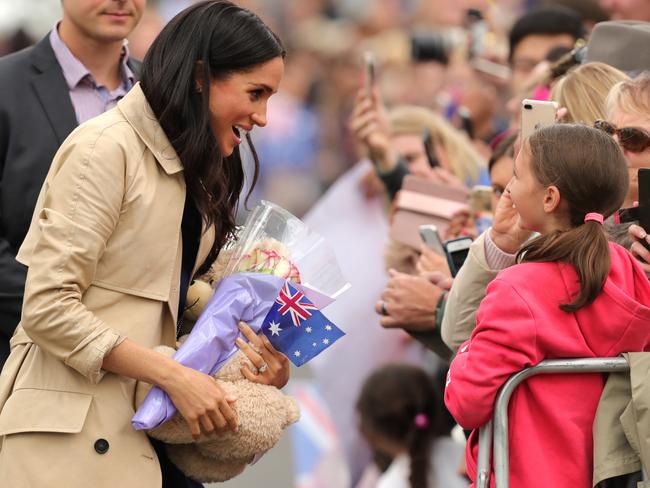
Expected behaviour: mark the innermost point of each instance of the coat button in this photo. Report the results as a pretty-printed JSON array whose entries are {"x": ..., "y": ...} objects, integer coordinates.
[{"x": 101, "y": 446}]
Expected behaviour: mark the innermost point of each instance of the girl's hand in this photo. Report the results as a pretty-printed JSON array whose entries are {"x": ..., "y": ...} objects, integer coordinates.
[
  {"x": 506, "y": 232},
  {"x": 272, "y": 366},
  {"x": 202, "y": 403}
]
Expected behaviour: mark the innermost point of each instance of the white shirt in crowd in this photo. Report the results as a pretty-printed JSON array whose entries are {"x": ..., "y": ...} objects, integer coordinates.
[{"x": 446, "y": 455}]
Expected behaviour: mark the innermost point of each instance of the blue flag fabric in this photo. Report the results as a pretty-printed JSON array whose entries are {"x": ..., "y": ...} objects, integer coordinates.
[{"x": 296, "y": 327}]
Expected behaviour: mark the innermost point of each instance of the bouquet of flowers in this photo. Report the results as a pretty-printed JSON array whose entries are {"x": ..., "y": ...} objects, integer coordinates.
[{"x": 279, "y": 276}]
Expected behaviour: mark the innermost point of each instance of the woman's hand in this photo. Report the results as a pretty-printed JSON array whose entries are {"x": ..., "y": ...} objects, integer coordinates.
[
  {"x": 462, "y": 224},
  {"x": 506, "y": 232},
  {"x": 202, "y": 403},
  {"x": 369, "y": 123},
  {"x": 272, "y": 366},
  {"x": 430, "y": 261},
  {"x": 638, "y": 250}
]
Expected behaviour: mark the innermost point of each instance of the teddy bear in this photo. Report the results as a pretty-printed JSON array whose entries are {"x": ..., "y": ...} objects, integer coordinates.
[{"x": 263, "y": 411}]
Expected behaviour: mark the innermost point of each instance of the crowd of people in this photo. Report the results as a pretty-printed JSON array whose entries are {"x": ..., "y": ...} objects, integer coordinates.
[{"x": 122, "y": 178}]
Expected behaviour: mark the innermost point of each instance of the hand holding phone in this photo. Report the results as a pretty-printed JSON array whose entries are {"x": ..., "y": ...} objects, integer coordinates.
[
  {"x": 431, "y": 238},
  {"x": 370, "y": 72},
  {"x": 457, "y": 251}
]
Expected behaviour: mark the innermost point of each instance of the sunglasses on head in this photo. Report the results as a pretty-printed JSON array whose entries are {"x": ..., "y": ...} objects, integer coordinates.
[{"x": 632, "y": 139}]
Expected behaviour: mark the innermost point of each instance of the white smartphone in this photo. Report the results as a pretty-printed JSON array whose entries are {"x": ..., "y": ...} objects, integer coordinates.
[
  {"x": 536, "y": 114},
  {"x": 370, "y": 71},
  {"x": 456, "y": 251},
  {"x": 431, "y": 238}
]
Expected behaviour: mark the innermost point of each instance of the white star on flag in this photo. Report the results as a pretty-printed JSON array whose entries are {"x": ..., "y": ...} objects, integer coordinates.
[
  {"x": 308, "y": 330},
  {"x": 313, "y": 344},
  {"x": 328, "y": 327},
  {"x": 326, "y": 341},
  {"x": 275, "y": 328},
  {"x": 297, "y": 354}
]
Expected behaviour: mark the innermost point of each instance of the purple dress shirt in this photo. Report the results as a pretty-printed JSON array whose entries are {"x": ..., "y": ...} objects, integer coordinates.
[{"x": 89, "y": 99}]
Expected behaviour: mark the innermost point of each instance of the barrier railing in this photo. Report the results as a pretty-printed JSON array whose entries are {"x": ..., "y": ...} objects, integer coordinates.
[{"x": 493, "y": 436}]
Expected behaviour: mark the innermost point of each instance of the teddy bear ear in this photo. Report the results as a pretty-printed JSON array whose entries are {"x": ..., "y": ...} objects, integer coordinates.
[
  {"x": 198, "y": 296},
  {"x": 293, "y": 411}
]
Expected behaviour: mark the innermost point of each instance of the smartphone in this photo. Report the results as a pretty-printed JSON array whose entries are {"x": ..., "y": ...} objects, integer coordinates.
[
  {"x": 456, "y": 251},
  {"x": 480, "y": 199},
  {"x": 640, "y": 214},
  {"x": 536, "y": 114},
  {"x": 431, "y": 238},
  {"x": 370, "y": 71},
  {"x": 430, "y": 151}
]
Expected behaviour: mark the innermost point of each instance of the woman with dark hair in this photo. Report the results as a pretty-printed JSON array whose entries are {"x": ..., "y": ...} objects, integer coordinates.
[{"x": 137, "y": 202}]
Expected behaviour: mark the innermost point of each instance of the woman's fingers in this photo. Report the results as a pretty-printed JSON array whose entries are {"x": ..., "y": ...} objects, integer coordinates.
[
  {"x": 229, "y": 416},
  {"x": 254, "y": 355},
  {"x": 207, "y": 426}
]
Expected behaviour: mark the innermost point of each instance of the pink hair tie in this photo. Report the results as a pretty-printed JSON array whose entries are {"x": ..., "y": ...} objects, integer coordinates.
[
  {"x": 421, "y": 421},
  {"x": 596, "y": 217}
]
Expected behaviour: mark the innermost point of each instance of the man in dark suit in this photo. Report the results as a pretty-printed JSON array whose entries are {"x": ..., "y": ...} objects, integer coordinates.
[{"x": 76, "y": 72}]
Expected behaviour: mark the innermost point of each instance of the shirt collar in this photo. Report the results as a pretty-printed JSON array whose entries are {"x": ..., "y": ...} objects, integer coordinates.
[{"x": 74, "y": 70}]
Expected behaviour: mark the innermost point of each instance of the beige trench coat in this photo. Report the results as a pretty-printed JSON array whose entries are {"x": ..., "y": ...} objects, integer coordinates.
[{"x": 104, "y": 256}]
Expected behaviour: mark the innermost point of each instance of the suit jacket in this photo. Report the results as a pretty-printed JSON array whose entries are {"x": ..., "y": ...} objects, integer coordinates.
[
  {"x": 36, "y": 115},
  {"x": 104, "y": 252}
]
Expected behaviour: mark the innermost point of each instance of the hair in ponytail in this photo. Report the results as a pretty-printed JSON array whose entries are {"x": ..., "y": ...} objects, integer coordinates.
[
  {"x": 399, "y": 404},
  {"x": 590, "y": 172}
]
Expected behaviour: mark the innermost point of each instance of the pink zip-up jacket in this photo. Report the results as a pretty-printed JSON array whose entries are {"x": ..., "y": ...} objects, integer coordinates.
[{"x": 519, "y": 324}]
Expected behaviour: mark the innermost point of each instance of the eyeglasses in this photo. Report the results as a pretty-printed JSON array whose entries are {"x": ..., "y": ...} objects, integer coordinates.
[{"x": 632, "y": 139}]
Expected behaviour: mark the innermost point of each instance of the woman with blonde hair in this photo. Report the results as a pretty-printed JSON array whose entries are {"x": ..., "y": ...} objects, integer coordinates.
[{"x": 583, "y": 91}]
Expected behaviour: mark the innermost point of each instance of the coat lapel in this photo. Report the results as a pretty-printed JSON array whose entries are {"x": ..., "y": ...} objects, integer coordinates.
[{"x": 52, "y": 90}]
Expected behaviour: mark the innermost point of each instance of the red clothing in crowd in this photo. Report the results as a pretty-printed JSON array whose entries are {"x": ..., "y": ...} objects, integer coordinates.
[{"x": 519, "y": 324}]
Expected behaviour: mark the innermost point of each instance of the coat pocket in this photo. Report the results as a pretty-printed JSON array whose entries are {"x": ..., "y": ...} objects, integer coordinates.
[{"x": 35, "y": 410}]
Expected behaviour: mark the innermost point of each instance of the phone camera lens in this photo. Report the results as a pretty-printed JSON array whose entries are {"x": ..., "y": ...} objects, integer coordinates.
[{"x": 528, "y": 106}]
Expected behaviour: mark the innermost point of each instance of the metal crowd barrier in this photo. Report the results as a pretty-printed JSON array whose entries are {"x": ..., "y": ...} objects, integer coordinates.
[{"x": 493, "y": 436}]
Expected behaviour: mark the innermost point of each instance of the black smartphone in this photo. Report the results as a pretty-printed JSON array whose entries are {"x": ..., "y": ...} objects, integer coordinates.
[
  {"x": 456, "y": 251},
  {"x": 430, "y": 151},
  {"x": 640, "y": 214}
]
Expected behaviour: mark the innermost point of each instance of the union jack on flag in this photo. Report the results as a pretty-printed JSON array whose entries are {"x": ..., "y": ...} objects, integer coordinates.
[
  {"x": 295, "y": 303},
  {"x": 297, "y": 328}
]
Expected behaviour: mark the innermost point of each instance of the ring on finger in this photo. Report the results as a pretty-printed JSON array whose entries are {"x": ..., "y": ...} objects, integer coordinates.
[
  {"x": 263, "y": 368},
  {"x": 383, "y": 309}
]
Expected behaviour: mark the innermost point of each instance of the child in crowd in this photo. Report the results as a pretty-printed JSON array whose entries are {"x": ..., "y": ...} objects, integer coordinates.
[
  {"x": 401, "y": 417},
  {"x": 572, "y": 295}
]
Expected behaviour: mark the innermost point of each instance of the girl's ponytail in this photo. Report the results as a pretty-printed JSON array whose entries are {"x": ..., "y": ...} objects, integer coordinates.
[
  {"x": 586, "y": 248},
  {"x": 420, "y": 451}
]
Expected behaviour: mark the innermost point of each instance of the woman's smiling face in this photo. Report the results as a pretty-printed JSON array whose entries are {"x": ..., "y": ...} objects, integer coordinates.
[{"x": 238, "y": 102}]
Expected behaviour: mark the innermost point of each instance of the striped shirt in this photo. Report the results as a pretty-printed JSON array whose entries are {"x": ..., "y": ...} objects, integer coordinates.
[{"x": 89, "y": 99}]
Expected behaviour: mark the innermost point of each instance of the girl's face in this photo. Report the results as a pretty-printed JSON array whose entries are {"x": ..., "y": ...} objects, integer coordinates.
[
  {"x": 238, "y": 102},
  {"x": 528, "y": 194}
]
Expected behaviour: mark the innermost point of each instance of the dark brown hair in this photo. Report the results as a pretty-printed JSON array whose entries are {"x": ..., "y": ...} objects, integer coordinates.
[
  {"x": 223, "y": 39},
  {"x": 390, "y": 400},
  {"x": 589, "y": 170}
]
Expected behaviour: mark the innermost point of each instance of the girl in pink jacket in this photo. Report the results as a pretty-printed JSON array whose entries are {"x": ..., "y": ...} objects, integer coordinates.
[{"x": 572, "y": 295}]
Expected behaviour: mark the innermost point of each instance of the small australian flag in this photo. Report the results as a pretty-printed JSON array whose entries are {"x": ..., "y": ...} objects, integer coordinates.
[{"x": 296, "y": 327}]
